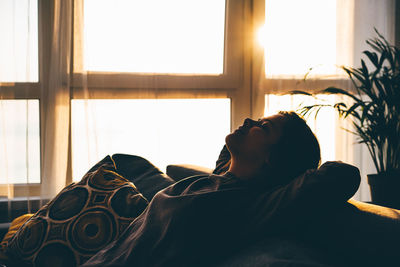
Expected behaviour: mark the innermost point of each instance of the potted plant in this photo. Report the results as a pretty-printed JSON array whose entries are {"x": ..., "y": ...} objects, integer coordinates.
[{"x": 375, "y": 115}]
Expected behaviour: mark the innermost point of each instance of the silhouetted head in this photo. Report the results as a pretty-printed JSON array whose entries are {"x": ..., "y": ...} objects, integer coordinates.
[{"x": 282, "y": 145}]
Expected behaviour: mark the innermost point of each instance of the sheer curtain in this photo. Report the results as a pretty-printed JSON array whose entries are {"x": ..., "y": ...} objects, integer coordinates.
[
  {"x": 19, "y": 111},
  {"x": 316, "y": 38},
  {"x": 55, "y": 100},
  {"x": 35, "y": 98}
]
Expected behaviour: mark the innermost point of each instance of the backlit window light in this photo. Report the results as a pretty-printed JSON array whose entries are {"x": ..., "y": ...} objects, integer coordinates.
[
  {"x": 154, "y": 36},
  {"x": 164, "y": 131}
]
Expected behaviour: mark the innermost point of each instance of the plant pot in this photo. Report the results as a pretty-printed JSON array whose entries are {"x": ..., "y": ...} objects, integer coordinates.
[{"x": 385, "y": 189}]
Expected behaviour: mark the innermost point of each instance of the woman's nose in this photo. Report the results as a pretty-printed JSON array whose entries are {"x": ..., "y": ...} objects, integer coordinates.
[{"x": 248, "y": 122}]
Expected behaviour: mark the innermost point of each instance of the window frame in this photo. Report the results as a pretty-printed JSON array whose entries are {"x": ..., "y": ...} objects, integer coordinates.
[
  {"x": 243, "y": 80},
  {"x": 229, "y": 84},
  {"x": 268, "y": 85},
  {"x": 101, "y": 82},
  {"x": 131, "y": 85}
]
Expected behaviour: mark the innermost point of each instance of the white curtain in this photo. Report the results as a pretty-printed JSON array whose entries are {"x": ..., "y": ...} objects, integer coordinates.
[
  {"x": 34, "y": 116},
  {"x": 55, "y": 101}
]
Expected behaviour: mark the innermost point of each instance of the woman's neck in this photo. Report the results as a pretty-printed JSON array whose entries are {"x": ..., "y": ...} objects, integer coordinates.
[{"x": 242, "y": 170}]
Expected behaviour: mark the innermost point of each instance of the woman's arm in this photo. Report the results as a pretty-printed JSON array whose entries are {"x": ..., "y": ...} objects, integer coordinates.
[{"x": 306, "y": 197}]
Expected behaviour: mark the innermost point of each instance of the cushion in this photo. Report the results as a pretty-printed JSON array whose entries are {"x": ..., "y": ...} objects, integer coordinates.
[
  {"x": 147, "y": 178},
  {"x": 81, "y": 220},
  {"x": 14, "y": 227}
]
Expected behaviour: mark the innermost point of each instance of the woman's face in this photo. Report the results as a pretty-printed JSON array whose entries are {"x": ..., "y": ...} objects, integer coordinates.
[{"x": 252, "y": 141}]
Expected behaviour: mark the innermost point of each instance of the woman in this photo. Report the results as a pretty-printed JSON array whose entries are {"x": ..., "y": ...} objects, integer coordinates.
[{"x": 256, "y": 192}]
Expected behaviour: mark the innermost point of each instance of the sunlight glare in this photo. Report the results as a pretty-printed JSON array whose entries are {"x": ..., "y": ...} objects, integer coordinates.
[
  {"x": 154, "y": 36},
  {"x": 262, "y": 36},
  {"x": 300, "y": 35}
]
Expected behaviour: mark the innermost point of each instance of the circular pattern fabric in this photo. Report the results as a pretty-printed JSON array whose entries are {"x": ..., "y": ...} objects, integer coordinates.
[
  {"x": 126, "y": 204},
  {"x": 92, "y": 230},
  {"x": 68, "y": 203},
  {"x": 81, "y": 220},
  {"x": 32, "y": 237}
]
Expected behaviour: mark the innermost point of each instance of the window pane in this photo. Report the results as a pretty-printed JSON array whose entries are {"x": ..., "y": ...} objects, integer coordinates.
[
  {"x": 299, "y": 35},
  {"x": 154, "y": 36},
  {"x": 163, "y": 131},
  {"x": 19, "y": 41},
  {"x": 324, "y": 126},
  {"x": 19, "y": 141}
]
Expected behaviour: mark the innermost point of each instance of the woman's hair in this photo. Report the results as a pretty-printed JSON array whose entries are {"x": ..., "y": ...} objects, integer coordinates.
[{"x": 297, "y": 150}]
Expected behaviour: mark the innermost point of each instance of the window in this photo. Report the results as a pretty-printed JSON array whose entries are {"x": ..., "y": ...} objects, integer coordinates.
[
  {"x": 303, "y": 45},
  {"x": 299, "y": 38},
  {"x": 154, "y": 36},
  {"x": 164, "y": 131},
  {"x": 184, "y": 57},
  {"x": 173, "y": 44},
  {"x": 158, "y": 58},
  {"x": 301, "y": 48},
  {"x": 19, "y": 106},
  {"x": 19, "y": 41},
  {"x": 20, "y": 141}
]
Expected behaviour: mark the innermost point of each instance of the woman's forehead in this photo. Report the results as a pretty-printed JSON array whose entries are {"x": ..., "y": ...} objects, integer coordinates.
[{"x": 275, "y": 119}]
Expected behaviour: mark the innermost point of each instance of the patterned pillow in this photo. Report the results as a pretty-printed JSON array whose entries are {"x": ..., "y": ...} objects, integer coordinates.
[
  {"x": 81, "y": 220},
  {"x": 147, "y": 178}
]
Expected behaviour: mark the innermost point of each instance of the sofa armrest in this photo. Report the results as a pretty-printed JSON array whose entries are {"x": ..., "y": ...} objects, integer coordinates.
[{"x": 181, "y": 171}]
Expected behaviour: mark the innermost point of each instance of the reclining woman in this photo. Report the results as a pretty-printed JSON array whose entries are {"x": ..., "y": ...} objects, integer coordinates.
[{"x": 266, "y": 184}]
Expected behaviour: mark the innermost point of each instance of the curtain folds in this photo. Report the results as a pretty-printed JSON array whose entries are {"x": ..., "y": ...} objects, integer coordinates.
[{"x": 55, "y": 102}]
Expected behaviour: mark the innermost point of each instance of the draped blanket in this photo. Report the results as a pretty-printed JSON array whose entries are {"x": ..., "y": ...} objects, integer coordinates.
[{"x": 204, "y": 219}]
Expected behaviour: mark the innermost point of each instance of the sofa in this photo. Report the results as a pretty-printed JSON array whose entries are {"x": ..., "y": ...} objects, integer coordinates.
[{"x": 359, "y": 234}]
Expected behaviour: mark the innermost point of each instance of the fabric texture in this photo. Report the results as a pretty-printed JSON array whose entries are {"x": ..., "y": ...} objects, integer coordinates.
[
  {"x": 14, "y": 227},
  {"x": 203, "y": 219},
  {"x": 55, "y": 100},
  {"x": 222, "y": 164},
  {"x": 279, "y": 252},
  {"x": 82, "y": 219},
  {"x": 144, "y": 175},
  {"x": 182, "y": 171}
]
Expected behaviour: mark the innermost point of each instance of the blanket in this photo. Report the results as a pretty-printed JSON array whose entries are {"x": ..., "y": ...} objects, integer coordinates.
[{"x": 202, "y": 220}]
